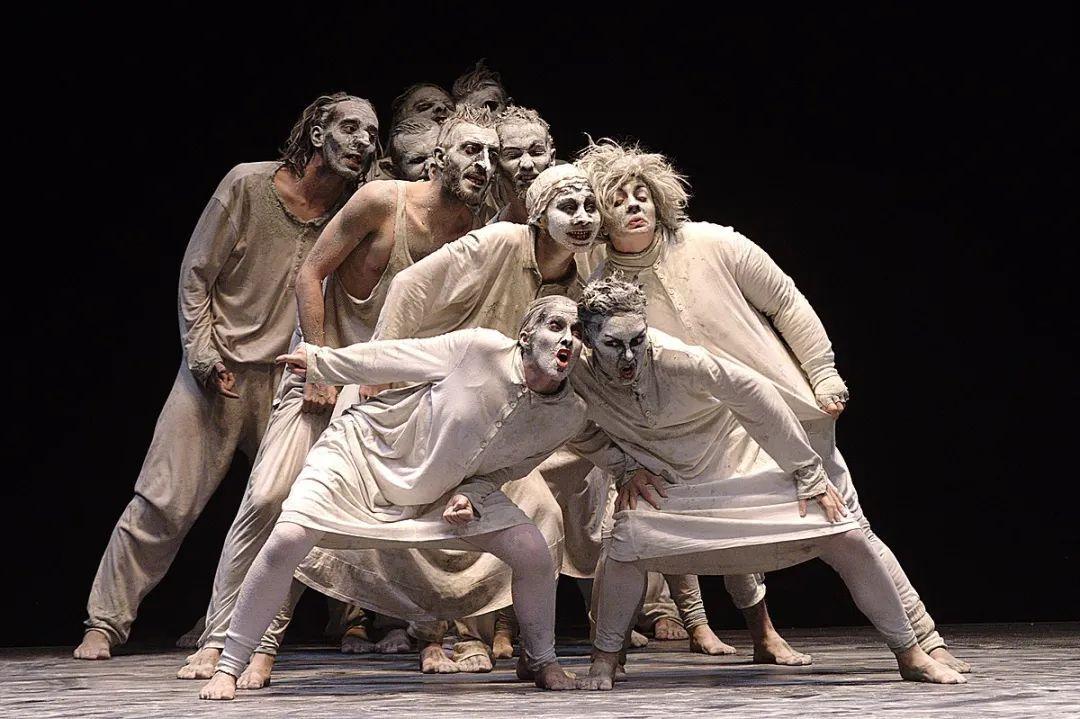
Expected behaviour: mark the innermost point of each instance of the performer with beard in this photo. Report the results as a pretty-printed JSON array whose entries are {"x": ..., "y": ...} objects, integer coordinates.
[
  {"x": 710, "y": 286},
  {"x": 422, "y": 466},
  {"x": 236, "y": 314},
  {"x": 735, "y": 473},
  {"x": 381, "y": 230},
  {"x": 409, "y": 153}
]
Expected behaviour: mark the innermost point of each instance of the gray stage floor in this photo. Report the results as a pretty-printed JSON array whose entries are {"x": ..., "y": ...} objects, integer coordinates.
[{"x": 1020, "y": 671}]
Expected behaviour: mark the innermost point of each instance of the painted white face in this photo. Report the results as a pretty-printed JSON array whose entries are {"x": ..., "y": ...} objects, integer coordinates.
[
  {"x": 490, "y": 97},
  {"x": 467, "y": 162},
  {"x": 618, "y": 345},
  {"x": 554, "y": 344},
  {"x": 410, "y": 154},
  {"x": 633, "y": 214},
  {"x": 525, "y": 150},
  {"x": 427, "y": 101},
  {"x": 348, "y": 139},
  {"x": 572, "y": 219}
]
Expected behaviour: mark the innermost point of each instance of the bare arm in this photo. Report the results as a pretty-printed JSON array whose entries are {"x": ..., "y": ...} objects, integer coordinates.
[{"x": 356, "y": 222}]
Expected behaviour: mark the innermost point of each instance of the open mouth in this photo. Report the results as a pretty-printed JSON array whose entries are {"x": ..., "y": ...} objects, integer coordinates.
[
  {"x": 626, "y": 372},
  {"x": 562, "y": 358},
  {"x": 580, "y": 236},
  {"x": 476, "y": 179}
]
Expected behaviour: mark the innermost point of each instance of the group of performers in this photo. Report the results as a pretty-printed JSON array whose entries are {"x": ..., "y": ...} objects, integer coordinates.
[{"x": 542, "y": 363}]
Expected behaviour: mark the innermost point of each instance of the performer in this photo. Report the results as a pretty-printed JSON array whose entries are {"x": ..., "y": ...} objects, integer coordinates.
[
  {"x": 525, "y": 150},
  {"x": 705, "y": 424},
  {"x": 380, "y": 231},
  {"x": 422, "y": 466},
  {"x": 425, "y": 100},
  {"x": 409, "y": 154},
  {"x": 481, "y": 87},
  {"x": 237, "y": 313},
  {"x": 708, "y": 285}
]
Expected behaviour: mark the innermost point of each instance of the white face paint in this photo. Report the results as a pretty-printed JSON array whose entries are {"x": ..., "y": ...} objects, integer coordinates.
[
  {"x": 490, "y": 97},
  {"x": 525, "y": 150},
  {"x": 410, "y": 154},
  {"x": 572, "y": 219},
  {"x": 427, "y": 101},
  {"x": 554, "y": 344},
  {"x": 348, "y": 139},
  {"x": 633, "y": 216},
  {"x": 466, "y": 165},
  {"x": 618, "y": 345}
]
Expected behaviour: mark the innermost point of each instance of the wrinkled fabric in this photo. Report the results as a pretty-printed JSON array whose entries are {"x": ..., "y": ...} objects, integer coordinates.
[
  {"x": 708, "y": 285},
  {"x": 702, "y": 422}
]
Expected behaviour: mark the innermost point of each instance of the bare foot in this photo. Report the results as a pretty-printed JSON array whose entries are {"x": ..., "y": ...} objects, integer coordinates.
[
  {"x": 704, "y": 641},
  {"x": 638, "y": 640},
  {"x": 433, "y": 660},
  {"x": 190, "y": 638},
  {"x": 355, "y": 641},
  {"x": 774, "y": 649},
  {"x": 941, "y": 655},
  {"x": 396, "y": 641},
  {"x": 257, "y": 674},
  {"x": 554, "y": 678},
  {"x": 200, "y": 665},
  {"x": 601, "y": 673},
  {"x": 221, "y": 686},
  {"x": 502, "y": 646},
  {"x": 475, "y": 664},
  {"x": 667, "y": 629},
  {"x": 95, "y": 645},
  {"x": 917, "y": 666}
]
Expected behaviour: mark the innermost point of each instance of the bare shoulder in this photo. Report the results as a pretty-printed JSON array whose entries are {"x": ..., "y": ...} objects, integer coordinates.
[{"x": 372, "y": 201}]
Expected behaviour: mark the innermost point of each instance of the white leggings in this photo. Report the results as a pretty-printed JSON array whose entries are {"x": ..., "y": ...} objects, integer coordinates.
[
  {"x": 267, "y": 583},
  {"x": 850, "y": 554}
]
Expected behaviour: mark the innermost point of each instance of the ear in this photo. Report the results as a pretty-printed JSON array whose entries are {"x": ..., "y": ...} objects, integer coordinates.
[
  {"x": 317, "y": 136},
  {"x": 438, "y": 158},
  {"x": 523, "y": 339},
  {"x": 551, "y": 155}
]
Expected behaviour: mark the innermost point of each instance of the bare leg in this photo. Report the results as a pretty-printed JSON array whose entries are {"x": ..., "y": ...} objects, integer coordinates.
[
  {"x": 261, "y": 596},
  {"x": 257, "y": 674},
  {"x": 502, "y": 645},
  {"x": 686, "y": 594},
  {"x": 533, "y": 588},
  {"x": 95, "y": 645},
  {"x": 621, "y": 592},
  {"x": 874, "y": 593}
]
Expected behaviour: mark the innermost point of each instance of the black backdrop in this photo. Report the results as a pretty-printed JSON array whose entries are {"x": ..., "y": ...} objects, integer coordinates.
[{"x": 914, "y": 172}]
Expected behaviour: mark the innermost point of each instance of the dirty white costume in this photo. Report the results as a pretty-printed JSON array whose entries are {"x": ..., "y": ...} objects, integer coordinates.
[
  {"x": 236, "y": 306},
  {"x": 703, "y": 422},
  {"x": 381, "y": 474},
  {"x": 290, "y": 435},
  {"x": 708, "y": 285}
]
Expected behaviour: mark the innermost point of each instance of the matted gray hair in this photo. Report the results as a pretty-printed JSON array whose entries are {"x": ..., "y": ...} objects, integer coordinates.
[
  {"x": 539, "y": 310},
  {"x": 608, "y": 297},
  {"x": 518, "y": 115},
  {"x": 611, "y": 165},
  {"x": 465, "y": 115},
  {"x": 479, "y": 76}
]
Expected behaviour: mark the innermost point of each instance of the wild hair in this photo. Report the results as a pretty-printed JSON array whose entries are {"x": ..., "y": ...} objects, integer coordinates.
[
  {"x": 413, "y": 126},
  {"x": 479, "y": 76},
  {"x": 608, "y": 297},
  {"x": 298, "y": 149},
  {"x": 397, "y": 106},
  {"x": 611, "y": 165},
  {"x": 517, "y": 115},
  {"x": 540, "y": 309},
  {"x": 465, "y": 115}
]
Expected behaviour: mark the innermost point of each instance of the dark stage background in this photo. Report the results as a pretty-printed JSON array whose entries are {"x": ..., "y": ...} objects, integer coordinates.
[{"x": 914, "y": 172}]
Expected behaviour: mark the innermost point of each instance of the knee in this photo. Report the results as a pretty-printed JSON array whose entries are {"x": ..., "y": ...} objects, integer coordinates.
[
  {"x": 287, "y": 545},
  {"x": 530, "y": 554},
  {"x": 266, "y": 500},
  {"x": 849, "y": 544}
]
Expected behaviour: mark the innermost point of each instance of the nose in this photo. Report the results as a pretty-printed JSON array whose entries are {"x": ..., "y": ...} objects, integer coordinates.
[
  {"x": 363, "y": 138},
  {"x": 526, "y": 162},
  {"x": 628, "y": 355},
  {"x": 581, "y": 217},
  {"x": 440, "y": 113},
  {"x": 633, "y": 207},
  {"x": 484, "y": 162}
]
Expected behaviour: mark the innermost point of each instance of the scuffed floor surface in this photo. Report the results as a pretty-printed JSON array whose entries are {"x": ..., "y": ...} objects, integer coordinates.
[{"x": 1020, "y": 671}]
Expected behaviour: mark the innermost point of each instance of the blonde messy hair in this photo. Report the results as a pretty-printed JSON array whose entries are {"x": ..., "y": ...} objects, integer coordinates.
[{"x": 611, "y": 165}]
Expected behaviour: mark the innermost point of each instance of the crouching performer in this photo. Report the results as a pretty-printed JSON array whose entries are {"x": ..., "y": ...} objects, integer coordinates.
[
  {"x": 421, "y": 466},
  {"x": 735, "y": 472}
]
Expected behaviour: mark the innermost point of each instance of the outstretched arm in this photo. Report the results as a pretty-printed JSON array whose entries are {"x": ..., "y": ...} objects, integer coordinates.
[{"x": 775, "y": 295}]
